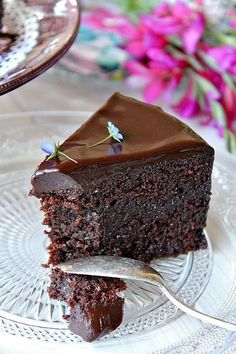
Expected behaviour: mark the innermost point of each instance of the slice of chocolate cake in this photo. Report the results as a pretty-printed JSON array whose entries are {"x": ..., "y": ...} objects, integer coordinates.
[{"x": 146, "y": 197}]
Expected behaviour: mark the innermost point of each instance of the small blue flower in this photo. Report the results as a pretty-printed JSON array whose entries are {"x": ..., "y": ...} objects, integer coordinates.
[
  {"x": 114, "y": 132},
  {"x": 53, "y": 150},
  {"x": 48, "y": 148}
]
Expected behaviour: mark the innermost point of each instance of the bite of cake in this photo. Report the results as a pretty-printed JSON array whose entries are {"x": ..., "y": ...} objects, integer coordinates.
[{"x": 144, "y": 197}]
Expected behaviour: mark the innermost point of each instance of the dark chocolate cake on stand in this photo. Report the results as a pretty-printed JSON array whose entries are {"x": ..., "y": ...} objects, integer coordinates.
[
  {"x": 28, "y": 32},
  {"x": 6, "y": 38},
  {"x": 143, "y": 197},
  {"x": 1, "y": 13}
]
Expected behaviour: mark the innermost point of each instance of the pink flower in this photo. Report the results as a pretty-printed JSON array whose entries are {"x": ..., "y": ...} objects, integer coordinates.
[
  {"x": 144, "y": 40},
  {"x": 154, "y": 81},
  {"x": 216, "y": 80},
  {"x": 225, "y": 57},
  {"x": 228, "y": 101},
  {"x": 188, "y": 106},
  {"x": 102, "y": 19},
  {"x": 193, "y": 33},
  {"x": 226, "y": 97},
  {"x": 178, "y": 19},
  {"x": 161, "y": 60}
]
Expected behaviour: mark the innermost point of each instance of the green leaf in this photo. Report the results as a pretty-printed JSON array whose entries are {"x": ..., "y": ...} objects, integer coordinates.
[
  {"x": 133, "y": 7},
  {"x": 52, "y": 156},
  {"x": 226, "y": 39},
  {"x": 193, "y": 61},
  {"x": 199, "y": 95},
  {"x": 209, "y": 60},
  {"x": 229, "y": 40},
  {"x": 56, "y": 146},
  {"x": 232, "y": 32},
  {"x": 230, "y": 140},
  {"x": 176, "y": 52},
  {"x": 180, "y": 55},
  {"x": 201, "y": 101},
  {"x": 218, "y": 112},
  {"x": 175, "y": 41},
  {"x": 206, "y": 85},
  {"x": 229, "y": 81}
]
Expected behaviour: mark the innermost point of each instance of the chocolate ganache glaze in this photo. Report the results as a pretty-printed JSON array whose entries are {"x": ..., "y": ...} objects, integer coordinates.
[
  {"x": 96, "y": 321},
  {"x": 148, "y": 132}
]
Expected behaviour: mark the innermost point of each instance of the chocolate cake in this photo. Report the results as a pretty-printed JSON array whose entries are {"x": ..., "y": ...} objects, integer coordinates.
[{"x": 146, "y": 197}]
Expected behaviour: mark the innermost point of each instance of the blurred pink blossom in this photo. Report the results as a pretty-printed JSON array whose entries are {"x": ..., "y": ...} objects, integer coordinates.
[
  {"x": 229, "y": 100},
  {"x": 142, "y": 41},
  {"x": 160, "y": 60},
  {"x": 156, "y": 81},
  {"x": 188, "y": 105},
  {"x": 225, "y": 58},
  {"x": 177, "y": 19},
  {"x": 175, "y": 44},
  {"x": 103, "y": 19}
]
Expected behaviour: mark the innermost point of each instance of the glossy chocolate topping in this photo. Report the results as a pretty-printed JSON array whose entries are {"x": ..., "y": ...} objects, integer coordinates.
[
  {"x": 148, "y": 131},
  {"x": 96, "y": 321}
]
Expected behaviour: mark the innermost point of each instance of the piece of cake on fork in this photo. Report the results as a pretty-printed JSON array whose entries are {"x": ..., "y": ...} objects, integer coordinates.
[{"x": 145, "y": 196}]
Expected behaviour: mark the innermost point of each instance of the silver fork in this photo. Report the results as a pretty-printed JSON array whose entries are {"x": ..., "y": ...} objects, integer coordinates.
[{"x": 127, "y": 268}]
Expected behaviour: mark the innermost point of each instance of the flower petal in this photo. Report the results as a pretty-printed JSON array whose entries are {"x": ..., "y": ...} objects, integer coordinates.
[
  {"x": 193, "y": 34},
  {"x": 48, "y": 148},
  {"x": 162, "y": 9},
  {"x": 136, "y": 68},
  {"x": 153, "y": 90},
  {"x": 167, "y": 25},
  {"x": 160, "y": 59},
  {"x": 118, "y": 137},
  {"x": 114, "y": 132},
  {"x": 136, "y": 48},
  {"x": 187, "y": 106}
]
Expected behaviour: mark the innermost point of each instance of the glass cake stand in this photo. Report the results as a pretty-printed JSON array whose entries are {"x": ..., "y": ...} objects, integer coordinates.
[
  {"x": 45, "y": 30},
  {"x": 206, "y": 278}
]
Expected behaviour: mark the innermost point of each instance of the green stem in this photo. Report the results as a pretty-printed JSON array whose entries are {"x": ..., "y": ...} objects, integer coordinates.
[
  {"x": 54, "y": 154},
  {"x": 100, "y": 142},
  {"x": 68, "y": 157}
]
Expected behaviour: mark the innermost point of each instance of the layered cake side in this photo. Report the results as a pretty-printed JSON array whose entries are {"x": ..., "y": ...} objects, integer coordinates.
[{"x": 144, "y": 198}]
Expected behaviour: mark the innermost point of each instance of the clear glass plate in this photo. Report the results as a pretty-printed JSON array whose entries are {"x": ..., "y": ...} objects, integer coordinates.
[{"x": 206, "y": 278}]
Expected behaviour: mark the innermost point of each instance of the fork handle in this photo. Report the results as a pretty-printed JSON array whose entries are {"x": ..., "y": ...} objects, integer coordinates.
[{"x": 190, "y": 311}]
